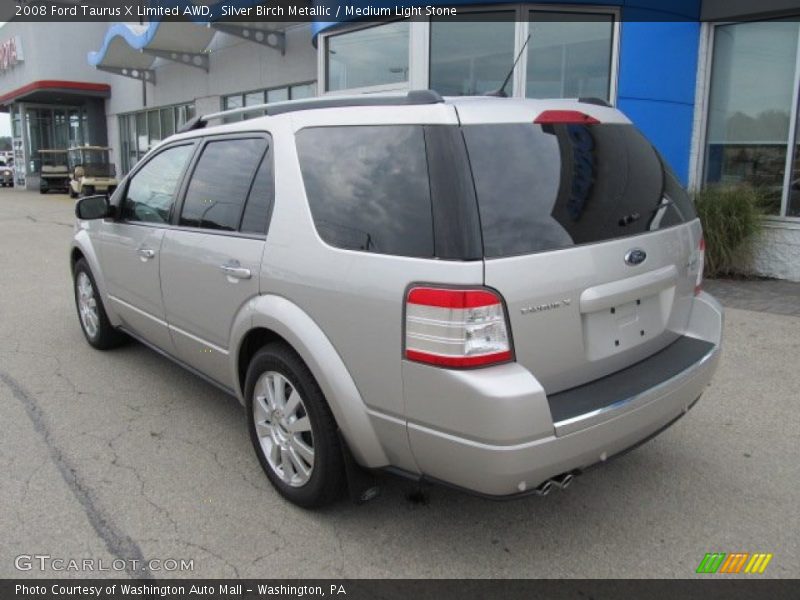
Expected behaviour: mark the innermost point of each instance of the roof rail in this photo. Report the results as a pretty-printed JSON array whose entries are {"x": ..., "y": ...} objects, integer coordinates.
[{"x": 412, "y": 98}]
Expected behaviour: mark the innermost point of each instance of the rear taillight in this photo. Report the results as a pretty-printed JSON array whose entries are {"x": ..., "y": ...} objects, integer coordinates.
[
  {"x": 701, "y": 259},
  {"x": 456, "y": 328},
  {"x": 565, "y": 117}
]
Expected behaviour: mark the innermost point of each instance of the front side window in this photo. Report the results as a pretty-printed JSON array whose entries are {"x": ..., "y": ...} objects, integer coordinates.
[
  {"x": 368, "y": 187},
  {"x": 569, "y": 55},
  {"x": 151, "y": 191},
  {"x": 469, "y": 57},
  {"x": 220, "y": 183},
  {"x": 368, "y": 57}
]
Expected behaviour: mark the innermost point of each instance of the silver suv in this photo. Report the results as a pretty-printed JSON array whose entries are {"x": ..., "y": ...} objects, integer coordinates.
[{"x": 485, "y": 292}]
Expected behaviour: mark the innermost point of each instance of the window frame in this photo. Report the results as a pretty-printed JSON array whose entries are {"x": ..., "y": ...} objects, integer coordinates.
[
  {"x": 698, "y": 169},
  {"x": 202, "y": 142}
]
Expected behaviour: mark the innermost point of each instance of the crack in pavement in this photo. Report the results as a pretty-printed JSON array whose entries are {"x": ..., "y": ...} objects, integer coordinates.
[
  {"x": 38, "y": 220},
  {"x": 116, "y": 541}
]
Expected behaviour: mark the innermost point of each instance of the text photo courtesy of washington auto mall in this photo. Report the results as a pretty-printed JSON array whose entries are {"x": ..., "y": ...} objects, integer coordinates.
[{"x": 364, "y": 299}]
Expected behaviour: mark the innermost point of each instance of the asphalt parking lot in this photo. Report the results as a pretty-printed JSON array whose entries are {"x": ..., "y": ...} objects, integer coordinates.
[{"x": 125, "y": 455}]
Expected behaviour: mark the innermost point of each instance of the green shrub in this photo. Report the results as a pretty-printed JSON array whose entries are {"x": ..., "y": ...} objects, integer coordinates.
[{"x": 731, "y": 218}]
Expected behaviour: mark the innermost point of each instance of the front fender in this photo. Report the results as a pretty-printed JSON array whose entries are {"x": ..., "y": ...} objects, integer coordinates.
[
  {"x": 294, "y": 325},
  {"x": 83, "y": 243}
]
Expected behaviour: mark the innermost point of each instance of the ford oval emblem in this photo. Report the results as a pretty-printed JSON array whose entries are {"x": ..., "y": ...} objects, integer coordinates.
[{"x": 636, "y": 256}]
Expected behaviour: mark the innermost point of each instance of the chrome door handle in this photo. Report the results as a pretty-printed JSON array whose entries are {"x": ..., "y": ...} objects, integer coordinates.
[
  {"x": 146, "y": 253},
  {"x": 236, "y": 272}
]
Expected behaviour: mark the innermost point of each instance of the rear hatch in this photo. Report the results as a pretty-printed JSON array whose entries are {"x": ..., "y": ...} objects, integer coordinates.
[{"x": 587, "y": 235}]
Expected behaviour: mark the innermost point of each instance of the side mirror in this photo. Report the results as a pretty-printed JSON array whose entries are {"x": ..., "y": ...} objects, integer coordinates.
[{"x": 93, "y": 207}]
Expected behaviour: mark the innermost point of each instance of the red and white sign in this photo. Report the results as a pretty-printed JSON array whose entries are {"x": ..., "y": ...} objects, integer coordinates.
[{"x": 10, "y": 53}]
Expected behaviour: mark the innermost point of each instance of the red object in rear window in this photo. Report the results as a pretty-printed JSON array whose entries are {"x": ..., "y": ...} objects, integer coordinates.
[{"x": 565, "y": 117}]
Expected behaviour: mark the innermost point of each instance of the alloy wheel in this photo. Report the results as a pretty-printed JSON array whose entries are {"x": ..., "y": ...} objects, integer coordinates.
[
  {"x": 87, "y": 305},
  {"x": 283, "y": 428}
]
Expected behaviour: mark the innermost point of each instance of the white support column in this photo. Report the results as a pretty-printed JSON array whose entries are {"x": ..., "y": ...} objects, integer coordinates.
[
  {"x": 701, "y": 103},
  {"x": 419, "y": 58}
]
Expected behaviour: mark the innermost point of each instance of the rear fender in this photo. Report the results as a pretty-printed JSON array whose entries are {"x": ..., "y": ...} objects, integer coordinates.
[{"x": 294, "y": 325}]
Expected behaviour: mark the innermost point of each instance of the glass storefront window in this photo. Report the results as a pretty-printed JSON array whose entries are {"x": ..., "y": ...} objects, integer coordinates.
[
  {"x": 75, "y": 131},
  {"x": 167, "y": 122},
  {"x": 569, "y": 55},
  {"x": 141, "y": 130},
  {"x": 231, "y": 102},
  {"x": 252, "y": 99},
  {"x": 793, "y": 204},
  {"x": 278, "y": 95},
  {"x": 133, "y": 151},
  {"x": 181, "y": 116},
  {"x": 368, "y": 57},
  {"x": 304, "y": 90},
  {"x": 469, "y": 57},
  {"x": 61, "y": 128},
  {"x": 750, "y": 106},
  {"x": 153, "y": 128},
  {"x": 40, "y": 132}
]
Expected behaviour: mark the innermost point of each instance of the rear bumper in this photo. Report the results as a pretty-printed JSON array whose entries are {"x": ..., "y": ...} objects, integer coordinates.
[{"x": 507, "y": 442}]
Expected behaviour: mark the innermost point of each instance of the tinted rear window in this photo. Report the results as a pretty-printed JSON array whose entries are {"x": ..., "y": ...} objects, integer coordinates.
[
  {"x": 368, "y": 187},
  {"x": 555, "y": 186}
]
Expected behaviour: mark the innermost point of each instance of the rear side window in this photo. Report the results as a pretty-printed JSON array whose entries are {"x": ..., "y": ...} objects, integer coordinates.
[
  {"x": 368, "y": 188},
  {"x": 546, "y": 187},
  {"x": 258, "y": 210},
  {"x": 221, "y": 182}
]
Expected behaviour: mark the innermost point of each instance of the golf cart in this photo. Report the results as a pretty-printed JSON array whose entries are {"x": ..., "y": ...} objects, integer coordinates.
[
  {"x": 54, "y": 173},
  {"x": 91, "y": 171},
  {"x": 6, "y": 172}
]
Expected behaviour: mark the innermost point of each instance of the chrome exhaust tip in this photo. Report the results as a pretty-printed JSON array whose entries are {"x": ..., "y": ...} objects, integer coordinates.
[
  {"x": 564, "y": 481},
  {"x": 545, "y": 488}
]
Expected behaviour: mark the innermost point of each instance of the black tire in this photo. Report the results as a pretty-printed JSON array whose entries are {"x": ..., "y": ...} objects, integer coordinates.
[
  {"x": 326, "y": 483},
  {"x": 42, "y": 190},
  {"x": 106, "y": 335},
  {"x": 72, "y": 194}
]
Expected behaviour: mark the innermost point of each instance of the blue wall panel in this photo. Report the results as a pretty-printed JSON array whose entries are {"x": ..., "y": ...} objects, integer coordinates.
[
  {"x": 658, "y": 60},
  {"x": 657, "y": 82},
  {"x": 668, "y": 125}
]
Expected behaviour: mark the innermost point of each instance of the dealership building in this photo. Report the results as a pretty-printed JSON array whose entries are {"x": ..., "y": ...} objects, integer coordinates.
[{"x": 714, "y": 85}]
